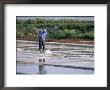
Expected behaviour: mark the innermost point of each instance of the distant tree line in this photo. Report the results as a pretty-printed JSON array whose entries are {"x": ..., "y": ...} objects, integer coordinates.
[{"x": 57, "y": 29}]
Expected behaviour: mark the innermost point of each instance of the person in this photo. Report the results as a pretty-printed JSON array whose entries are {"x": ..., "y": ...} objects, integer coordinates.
[{"x": 42, "y": 36}]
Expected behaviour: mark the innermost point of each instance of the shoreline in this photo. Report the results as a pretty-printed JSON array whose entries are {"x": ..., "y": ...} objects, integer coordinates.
[{"x": 76, "y": 41}]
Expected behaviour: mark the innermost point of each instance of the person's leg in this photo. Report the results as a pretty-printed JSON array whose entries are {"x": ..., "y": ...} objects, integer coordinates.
[
  {"x": 43, "y": 44},
  {"x": 40, "y": 45}
]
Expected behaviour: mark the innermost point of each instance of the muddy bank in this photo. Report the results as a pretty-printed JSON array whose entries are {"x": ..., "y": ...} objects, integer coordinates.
[{"x": 77, "y": 41}]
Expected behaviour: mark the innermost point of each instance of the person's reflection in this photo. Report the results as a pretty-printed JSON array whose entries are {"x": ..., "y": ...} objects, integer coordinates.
[{"x": 42, "y": 66}]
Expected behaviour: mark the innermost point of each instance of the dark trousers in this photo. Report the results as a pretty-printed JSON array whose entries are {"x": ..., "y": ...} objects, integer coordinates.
[{"x": 41, "y": 44}]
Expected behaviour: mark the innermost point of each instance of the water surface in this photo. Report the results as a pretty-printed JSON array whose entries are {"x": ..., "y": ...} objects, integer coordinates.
[{"x": 65, "y": 58}]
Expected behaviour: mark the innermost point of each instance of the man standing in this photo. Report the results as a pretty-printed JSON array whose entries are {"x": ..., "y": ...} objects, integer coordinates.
[{"x": 42, "y": 35}]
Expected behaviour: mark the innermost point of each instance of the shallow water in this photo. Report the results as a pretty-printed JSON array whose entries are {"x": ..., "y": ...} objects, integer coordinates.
[
  {"x": 44, "y": 69},
  {"x": 65, "y": 59}
]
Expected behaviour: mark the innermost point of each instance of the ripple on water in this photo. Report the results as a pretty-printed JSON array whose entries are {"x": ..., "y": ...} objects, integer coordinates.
[{"x": 61, "y": 55}]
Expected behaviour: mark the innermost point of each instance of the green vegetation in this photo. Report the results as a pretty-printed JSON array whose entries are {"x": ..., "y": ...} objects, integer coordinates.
[{"x": 57, "y": 29}]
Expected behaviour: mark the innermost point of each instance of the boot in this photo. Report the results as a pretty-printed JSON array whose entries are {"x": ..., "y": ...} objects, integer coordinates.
[
  {"x": 44, "y": 50},
  {"x": 40, "y": 50}
]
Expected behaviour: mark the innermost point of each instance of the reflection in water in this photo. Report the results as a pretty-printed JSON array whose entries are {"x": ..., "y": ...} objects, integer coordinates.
[
  {"x": 42, "y": 66},
  {"x": 65, "y": 59}
]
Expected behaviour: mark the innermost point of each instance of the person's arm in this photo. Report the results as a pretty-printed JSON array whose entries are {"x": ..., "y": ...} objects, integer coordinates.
[
  {"x": 46, "y": 32},
  {"x": 39, "y": 33}
]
